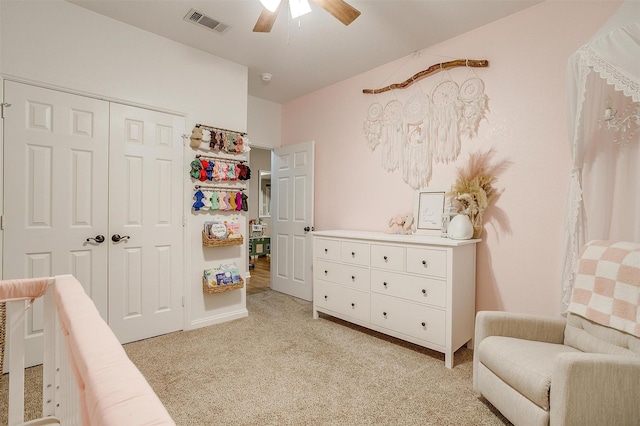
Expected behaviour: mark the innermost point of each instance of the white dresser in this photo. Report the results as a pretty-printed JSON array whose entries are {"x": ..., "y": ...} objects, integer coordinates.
[{"x": 417, "y": 288}]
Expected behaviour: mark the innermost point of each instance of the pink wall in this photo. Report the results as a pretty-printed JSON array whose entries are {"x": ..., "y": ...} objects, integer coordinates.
[{"x": 519, "y": 261}]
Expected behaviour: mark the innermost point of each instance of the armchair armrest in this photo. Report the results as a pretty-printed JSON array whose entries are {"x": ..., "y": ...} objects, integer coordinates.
[
  {"x": 520, "y": 326},
  {"x": 595, "y": 389},
  {"x": 517, "y": 325}
]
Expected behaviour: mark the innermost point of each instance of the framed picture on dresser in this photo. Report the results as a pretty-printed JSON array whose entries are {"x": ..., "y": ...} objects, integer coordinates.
[{"x": 428, "y": 207}]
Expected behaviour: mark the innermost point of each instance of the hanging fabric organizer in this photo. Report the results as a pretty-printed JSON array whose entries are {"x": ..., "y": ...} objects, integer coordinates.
[
  {"x": 220, "y": 198},
  {"x": 219, "y": 139},
  {"x": 220, "y": 168},
  {"x": 205, "y": 167},
  {"x": 426, "y": 128}
]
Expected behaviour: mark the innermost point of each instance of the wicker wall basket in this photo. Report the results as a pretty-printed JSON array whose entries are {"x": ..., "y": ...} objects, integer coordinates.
[
  {"x": 214, "y": 242},
  {"x": 221, "y": 288}
]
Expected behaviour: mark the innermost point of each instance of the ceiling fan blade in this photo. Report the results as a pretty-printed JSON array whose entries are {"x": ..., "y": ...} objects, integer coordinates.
[
  {"x": 265, "y": 21},
  {"x": 342, "y": 11}
]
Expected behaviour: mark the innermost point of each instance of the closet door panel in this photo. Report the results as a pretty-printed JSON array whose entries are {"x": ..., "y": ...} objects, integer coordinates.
[
  {"x": 55, "y": 192},
  {"x": 145, "y": 217}
]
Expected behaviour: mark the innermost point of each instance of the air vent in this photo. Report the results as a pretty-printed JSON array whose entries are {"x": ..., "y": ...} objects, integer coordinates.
[{"x": 207, "y": 22}]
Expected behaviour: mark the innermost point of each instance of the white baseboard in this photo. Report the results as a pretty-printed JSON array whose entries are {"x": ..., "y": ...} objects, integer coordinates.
[{"x": 218, "y": 319}]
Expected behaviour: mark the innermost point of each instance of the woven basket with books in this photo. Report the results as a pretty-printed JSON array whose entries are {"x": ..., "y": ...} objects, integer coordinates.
[
  {"x": 220, "y": 242},
  {"x": 222, "y": 287}
]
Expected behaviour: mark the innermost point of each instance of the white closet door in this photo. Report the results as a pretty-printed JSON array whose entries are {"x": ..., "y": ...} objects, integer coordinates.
[
  {"x": 64, "y": 175},
  {"x": 55, "y": 193},
  {"x": 145, "y": 209}
]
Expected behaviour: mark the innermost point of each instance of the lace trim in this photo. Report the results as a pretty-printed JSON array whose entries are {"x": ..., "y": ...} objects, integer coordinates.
[
  {"x": 614, "y": 77},
  {"x": 572, "y": 227}
]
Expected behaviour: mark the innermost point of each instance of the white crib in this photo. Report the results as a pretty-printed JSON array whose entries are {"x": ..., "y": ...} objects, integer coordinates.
[{"x": 87, "y": 377}]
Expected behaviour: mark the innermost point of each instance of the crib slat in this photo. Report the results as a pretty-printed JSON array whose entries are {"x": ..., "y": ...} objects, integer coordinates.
[
  {"x": 60, "y": 394},
  {"x": 49, "y": 356},
  {"x": 67, "y": 396},
  {"x": 15, "y": 330}
]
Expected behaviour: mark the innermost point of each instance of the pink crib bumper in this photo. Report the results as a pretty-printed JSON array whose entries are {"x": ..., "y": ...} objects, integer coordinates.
[
  {"x": 113, "y": 392},
  {"x": 23, "y": 289}
]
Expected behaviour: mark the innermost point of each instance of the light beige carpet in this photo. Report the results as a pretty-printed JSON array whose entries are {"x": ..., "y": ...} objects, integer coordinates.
[{"x": 280, "y": 367}]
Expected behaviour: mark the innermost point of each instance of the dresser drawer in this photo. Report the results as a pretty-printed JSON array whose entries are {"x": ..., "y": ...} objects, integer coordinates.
[
  {"x": 411, "y": 287},
  {"x": 341, "y": 300},
  {"x": 418, "y": 321},
  {"x": 431, "y": 262},
  {"x": 355, "y": 253},
  {"x": 327, "y": 249},
  {"x": 339, "y": 273},
  {"x": 387, "y": 257}
]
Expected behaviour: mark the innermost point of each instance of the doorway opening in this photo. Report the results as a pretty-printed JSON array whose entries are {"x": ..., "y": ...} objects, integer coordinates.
[{"x": 259, "y": 221}]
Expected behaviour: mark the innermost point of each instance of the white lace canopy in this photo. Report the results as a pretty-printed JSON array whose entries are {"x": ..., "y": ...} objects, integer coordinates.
[{"x": 604, "y": 191}]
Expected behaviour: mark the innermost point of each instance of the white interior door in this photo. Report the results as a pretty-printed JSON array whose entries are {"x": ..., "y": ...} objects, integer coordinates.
[
  {"x": 55, "y": 186},
  {"x": 291, "y": 219},
  {"x": 145, "y": 210}
]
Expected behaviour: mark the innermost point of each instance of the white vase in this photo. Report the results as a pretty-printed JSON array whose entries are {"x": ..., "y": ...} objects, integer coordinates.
[{"x": 460, "y": 228}]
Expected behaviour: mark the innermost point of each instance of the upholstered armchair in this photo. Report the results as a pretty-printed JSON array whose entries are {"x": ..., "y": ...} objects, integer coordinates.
[{"x": 582, "y": 370}]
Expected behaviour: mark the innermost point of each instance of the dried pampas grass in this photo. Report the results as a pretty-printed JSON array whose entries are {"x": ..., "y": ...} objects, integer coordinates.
[{"x": 474, "y": 189}]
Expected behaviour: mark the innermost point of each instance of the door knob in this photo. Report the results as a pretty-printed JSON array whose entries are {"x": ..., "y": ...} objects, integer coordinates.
[
  {"x": 116, "y": 238},
  {"x": 307, "y": 229},
  {"x": 98, "y": 239}
]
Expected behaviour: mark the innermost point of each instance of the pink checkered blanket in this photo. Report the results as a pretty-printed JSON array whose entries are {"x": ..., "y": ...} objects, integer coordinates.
[{"x": 607, "y": 285}]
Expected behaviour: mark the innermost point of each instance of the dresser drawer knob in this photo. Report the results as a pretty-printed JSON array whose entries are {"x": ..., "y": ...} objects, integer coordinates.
[
  {"x": 424, "y": 291},
  {"x": 384, "y": 284},
  {"x": 326, "y": 251},
  {"x": 424, "y": 262},
  {"x": 326, "y": 297},
  {"x": 424, "y": 324},
  {"x": 384, "y": 314},
  {"x": 385, "y": 258},
  {"x": 353, "y": 305},
  {"x": 353, "y": 278},
  {"x": 326, "y": 272},
  {"x": 353, "y": 254}
]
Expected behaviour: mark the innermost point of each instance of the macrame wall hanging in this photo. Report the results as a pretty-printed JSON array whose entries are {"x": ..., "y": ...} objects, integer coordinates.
[{"x": 426, "y": 127}]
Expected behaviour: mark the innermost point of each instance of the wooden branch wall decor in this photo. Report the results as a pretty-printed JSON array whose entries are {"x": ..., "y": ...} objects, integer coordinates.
[{"x": 475, "y": 63}]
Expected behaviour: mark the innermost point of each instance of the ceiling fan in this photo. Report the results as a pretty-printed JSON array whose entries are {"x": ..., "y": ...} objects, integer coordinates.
[{"x": 342, "y": 11}]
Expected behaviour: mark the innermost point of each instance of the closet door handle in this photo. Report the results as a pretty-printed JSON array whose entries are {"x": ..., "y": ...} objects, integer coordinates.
[
  {"x": 116, "y": 238},
  {"x": 98, "y": 239}
]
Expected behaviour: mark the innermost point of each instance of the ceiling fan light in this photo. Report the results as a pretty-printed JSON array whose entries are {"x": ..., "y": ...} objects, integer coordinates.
[
  {"x": 270, "y": 5},
  {"x": 299, "y": 8}
]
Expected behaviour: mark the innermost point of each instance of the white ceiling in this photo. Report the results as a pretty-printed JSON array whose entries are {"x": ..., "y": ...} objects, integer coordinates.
[{"x": 317, "y": 50}]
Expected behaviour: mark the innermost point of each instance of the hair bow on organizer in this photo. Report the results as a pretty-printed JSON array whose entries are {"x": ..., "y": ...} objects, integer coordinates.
[
  {"x": 199, "y": 195},
  {"x": 196, "y": 166}
]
